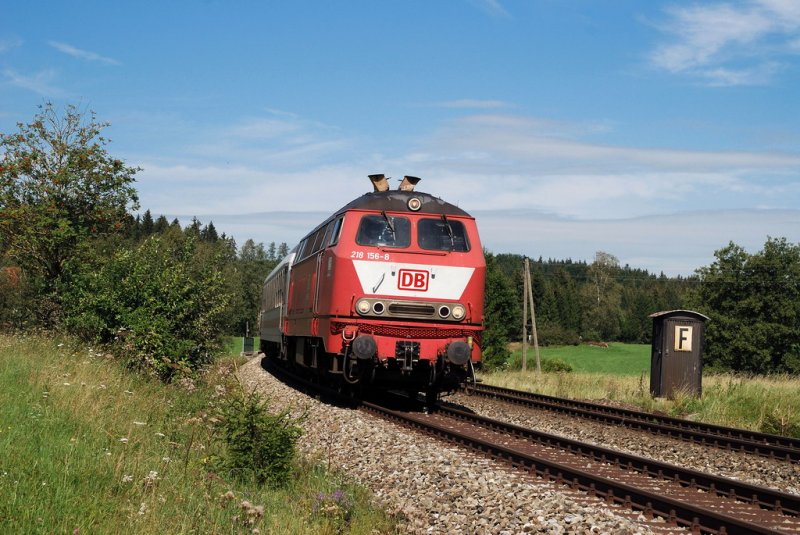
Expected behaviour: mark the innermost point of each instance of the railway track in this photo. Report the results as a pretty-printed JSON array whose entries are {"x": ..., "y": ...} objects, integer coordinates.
[
  {"x": 684, "y": 497},
  {"x": 729, "y": 438},
  {"x": 688, "y": 498}
]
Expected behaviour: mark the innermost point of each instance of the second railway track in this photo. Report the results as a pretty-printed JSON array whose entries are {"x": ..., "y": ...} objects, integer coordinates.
[
  {"x": 688, "y": 498},
  {"x": 762, "y": 444}
]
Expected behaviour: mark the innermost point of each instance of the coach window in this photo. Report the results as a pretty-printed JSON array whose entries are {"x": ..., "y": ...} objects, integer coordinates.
[
  {"x": 300, "y": 251},
  {"x": 336, "y": 229},
  {"x": 442, "y": 234},
  {"x": 384, "y": 230},
  {"x": 319, "y": 236}
]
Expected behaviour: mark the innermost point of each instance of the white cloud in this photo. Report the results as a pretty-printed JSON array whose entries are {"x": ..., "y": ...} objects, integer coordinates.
[
  {"x": 563, "y": 185},
  {"x": 729, "y": 44},
  {"x": 467, "y": 103},
  {"x": 82, "y": 54},
  {"x": 9, "y": 43},
  {"x": 40, "y": 82},
  {"x": 492, "y": 7}
]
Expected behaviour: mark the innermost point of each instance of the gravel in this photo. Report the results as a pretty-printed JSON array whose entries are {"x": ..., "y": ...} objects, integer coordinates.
[{"x": 436, "y": 488}]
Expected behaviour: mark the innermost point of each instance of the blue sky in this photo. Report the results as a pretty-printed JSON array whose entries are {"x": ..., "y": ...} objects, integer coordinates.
[{"x": 655, "y": 131}]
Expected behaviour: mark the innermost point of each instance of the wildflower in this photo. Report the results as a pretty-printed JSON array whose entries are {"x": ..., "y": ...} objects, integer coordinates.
[
  {"x": 160, "y": 435},
  {"x": 127, "y": 479},
  {"x": 123, "y": 440},
  {"x": 143, "y": 508},
  {"x": 227, "y": 496},
  {"x": 166, "y": 460},
  {"x": 151, "y": 479},
  {"x": 60, "y": 345},
  {"x": 139, "y": 423}
]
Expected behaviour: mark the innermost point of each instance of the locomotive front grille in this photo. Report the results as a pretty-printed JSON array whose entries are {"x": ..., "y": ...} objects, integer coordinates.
[
  {"x": 407, "y": 309},
  {"x": 399, "y": 331}
]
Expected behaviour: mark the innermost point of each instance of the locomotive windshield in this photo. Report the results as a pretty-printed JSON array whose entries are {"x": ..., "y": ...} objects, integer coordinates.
[
  {"x": 442, "y": 235},
  {"x": 384, "y": 230}
]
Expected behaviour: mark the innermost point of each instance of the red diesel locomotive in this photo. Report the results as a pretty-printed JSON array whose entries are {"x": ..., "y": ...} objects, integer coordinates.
[{"x": 388, "y": 291}]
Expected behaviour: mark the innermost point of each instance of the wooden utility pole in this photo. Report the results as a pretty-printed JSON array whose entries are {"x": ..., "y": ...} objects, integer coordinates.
[{"x": 526, "y": 298}]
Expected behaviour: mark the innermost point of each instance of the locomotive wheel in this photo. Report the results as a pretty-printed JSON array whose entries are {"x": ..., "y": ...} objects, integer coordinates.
[{"x": 431, "y": 398}]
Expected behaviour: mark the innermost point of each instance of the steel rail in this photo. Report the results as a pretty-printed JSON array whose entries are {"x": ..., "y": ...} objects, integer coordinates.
[
  {"x": 682, "y": 513},
  {"x": 763, "y": 444}
]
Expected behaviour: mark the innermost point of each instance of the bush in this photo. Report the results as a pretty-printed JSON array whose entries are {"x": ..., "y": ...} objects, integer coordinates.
[
  {"x": 260, "y": 446},
  {"x": 160, "y": 303},
  {"x": 548, "y": 365},
  {"x": 555, "y": 365},
  {"x": 16, "y": 301},
  {"x": 555, "y": 335}
]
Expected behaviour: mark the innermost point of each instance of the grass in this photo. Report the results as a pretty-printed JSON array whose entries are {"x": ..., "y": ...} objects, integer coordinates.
[
  {"x": 90, "y": 448},
  {"x": 768, "y": 404},
  {"x": 621, "y": 359}
]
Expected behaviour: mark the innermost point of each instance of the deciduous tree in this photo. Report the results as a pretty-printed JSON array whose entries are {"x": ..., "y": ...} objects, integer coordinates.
[
  {"x": 753, "y": 302},
  {"x": 59, "y": 188}
]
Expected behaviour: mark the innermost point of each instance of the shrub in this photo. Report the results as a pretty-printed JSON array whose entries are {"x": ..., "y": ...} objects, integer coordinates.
[
  {"x": 555, "y": 365},
  {"x": 548, "y": 365},
  {"x": 160, "y": 303},
  {"x": 260, "y": 446},
  {"x": 551, "y": 334}
]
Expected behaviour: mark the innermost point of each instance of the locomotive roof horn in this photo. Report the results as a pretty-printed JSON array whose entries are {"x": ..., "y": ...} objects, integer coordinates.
[
  {"x": 379, "y": 182},
  {"x": 408, "y": 183}
]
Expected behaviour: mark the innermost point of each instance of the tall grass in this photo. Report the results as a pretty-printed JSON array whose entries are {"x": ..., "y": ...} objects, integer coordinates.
[
  {"x": 89, "y": 448},
  {"x": 768, "y": 404}
]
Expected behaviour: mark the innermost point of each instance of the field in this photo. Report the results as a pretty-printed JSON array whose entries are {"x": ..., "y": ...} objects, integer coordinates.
[
  {"x": 616, "y": 359},
  {"x": 91, "y": 448},
  {"x": 621, "y": 373}
]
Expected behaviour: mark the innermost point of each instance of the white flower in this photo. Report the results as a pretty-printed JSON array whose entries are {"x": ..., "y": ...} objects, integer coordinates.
[
  {"x": 139, "y": 423},
  {"x": 127, "y": 479},
  {"x": 123, "y": 440}
]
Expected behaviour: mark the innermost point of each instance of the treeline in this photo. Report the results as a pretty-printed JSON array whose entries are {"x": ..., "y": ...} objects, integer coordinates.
[
  {"x": 577, "y": 301},
  {"x": 73, "y": 257}
]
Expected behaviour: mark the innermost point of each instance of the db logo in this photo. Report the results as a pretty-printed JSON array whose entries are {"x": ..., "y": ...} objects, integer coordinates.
[{"x": 412, "y": 279}]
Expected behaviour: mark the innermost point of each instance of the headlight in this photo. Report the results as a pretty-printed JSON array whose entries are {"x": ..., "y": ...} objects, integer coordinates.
[
  {"x": 458, "y": 312},
  {"x": 444, "y": 311},
  {"x": 363, "y": 306}
]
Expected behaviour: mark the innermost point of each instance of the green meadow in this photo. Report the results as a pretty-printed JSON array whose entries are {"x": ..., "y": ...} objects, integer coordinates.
[{"x": 616, "y": 359}]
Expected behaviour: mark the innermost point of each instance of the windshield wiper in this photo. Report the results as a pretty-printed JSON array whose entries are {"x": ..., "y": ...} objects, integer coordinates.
[
  {"x": 388, "y": 222},
  {"x": 449, "y": 231}
]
